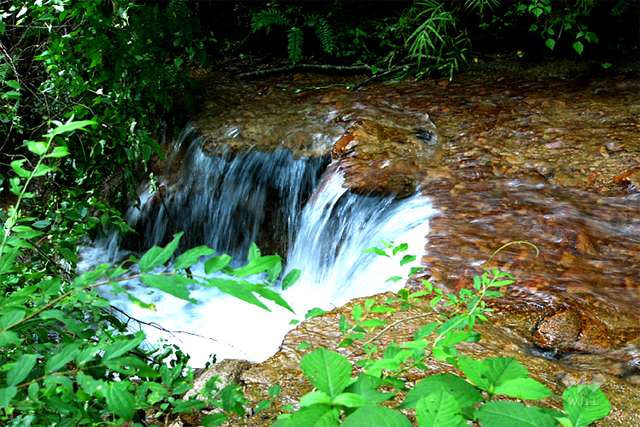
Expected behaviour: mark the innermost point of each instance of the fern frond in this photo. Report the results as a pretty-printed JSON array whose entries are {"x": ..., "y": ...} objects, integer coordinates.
[
  {"x": 323, "y": 31},
  {"x": 268, "y": 18},
  {"x": 480, "y": 6},
  {"x": 294, "y": 45}
]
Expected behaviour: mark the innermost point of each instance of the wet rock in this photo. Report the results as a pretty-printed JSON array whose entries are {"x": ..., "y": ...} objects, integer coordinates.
[
  {"x": 383, "y": 159},
  {"x": 558, "y": 332}
]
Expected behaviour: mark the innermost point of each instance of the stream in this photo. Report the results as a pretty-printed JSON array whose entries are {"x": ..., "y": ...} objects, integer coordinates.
[{"x": 309, "y": 169}]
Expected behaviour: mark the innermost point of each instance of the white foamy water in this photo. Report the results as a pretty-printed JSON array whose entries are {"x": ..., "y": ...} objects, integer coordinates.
[{"x": 326, "y": 239}]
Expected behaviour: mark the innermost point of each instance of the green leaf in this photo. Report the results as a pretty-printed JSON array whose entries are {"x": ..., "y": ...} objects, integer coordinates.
[
  {"x": 157, "y": 256},
  {"x": 513, "y": 414},
  {"x": 376, "y": 251},
  {"x": 214, "y": 420},
  {"x": 313, "y": 416},
  {"x": 120, "y": 401},
  {"x": 172, "y": 285},
  {"x": 8, "y": 338},
  {"x": 274, "y": 296},
  {"x": 439, "y": 409},
  {"x": 503, "y": 369},
  {"x": 122, "y": 345},
  {"x": 21, "y": 369},
  {"x": 58, "y": 152},
  {"x": 61, "y": 357},
  {"x": 258, "y": 265},
  {"x": 585, "y": 403},
  {"x": 550, "y": 43},
  {"x": 254, "y": 252},
  {"x": 315, "y": 398},
  {"x": 350, "y": 400},
  {"x": 407, "y": 259},
  {"x": 90, "y": 385},
  {"x": 327, "y": 370},
  {"x": 578, "y": 47},
  {"x": 192, "y": 256},
  {"x": 70, "y": 127},
  {"x": 400, "y": 248},
  {"x": 7, "y": 260},
  {"x": 240, "y": 290},
  {"x": 291, "y": 278},
  {"x": 16, "y": 165},
  {"x": 465, "y": 394},
  {"x": 217, "y": 263},
  {"x": 367, "y": 387},
  {"x": 37, "y": 147},
  {"x": 376, "y": 416},
  {"x": 523, "y": 388},
  {"x": 6, "y": 394},
  {"x": 11, "y": 317}
]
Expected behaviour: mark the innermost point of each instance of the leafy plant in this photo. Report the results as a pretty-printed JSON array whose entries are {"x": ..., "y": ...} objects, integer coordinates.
[
  {"x": 443, "y": 400},
  {"x": 294, "y": 21},
  {"x": 67, "y": 358}
]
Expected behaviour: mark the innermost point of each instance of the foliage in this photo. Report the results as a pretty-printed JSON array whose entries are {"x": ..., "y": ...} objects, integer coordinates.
[
  {"x": 293, "y": 20},
  {"x": 67, "y": 358},
  {"x": 120, "y": 64},
  {"x": 476, "y": 393}
]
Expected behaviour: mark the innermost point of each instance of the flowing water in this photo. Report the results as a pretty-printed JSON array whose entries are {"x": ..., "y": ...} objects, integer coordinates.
[{"x": 228, "y": 201}]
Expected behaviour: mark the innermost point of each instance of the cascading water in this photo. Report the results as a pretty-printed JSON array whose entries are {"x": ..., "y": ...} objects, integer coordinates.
[{"x": 228, "y": 201}]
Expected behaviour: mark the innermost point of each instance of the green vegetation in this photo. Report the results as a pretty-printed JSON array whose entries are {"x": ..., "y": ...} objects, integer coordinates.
[
  {"x": 476, "y": 394},
  {"x": 89, "y": 90}
]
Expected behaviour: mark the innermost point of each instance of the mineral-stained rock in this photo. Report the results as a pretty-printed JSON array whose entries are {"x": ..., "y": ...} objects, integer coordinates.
[{"x": 384, "y": 159}]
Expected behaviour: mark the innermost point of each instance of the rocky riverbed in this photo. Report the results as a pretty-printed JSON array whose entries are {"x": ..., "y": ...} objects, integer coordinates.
[{"x": 550, "y": 156}]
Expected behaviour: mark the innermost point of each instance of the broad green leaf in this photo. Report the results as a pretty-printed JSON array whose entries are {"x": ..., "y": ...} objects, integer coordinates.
[
  {"x": 240, "y": 290},
  {"x": 503, "y": 369},
  {"x": 439, "y": 409},
  {"x": 8, "y": 338},
  {"x": 367, "y": 387},
  {"x": 254, "y": 252},
  {"x": 6, "y": 394},
  {"x": 315, "y": 398},
  {"x": 37, "y": 147},
  {"x": 376, "y": 416},
  {"x": 550, "y": 43},
  {"x": 407, "y": 259},
  {"x": 216, "y": 263},
  {"x": 70, "y": 127},
  {"x": 274, "y": 296},
  {"x": 350, "y": 400},
  {"x": 7, "y": 260},
  {"x": 16, "y": 165},
  {"x": 61, "y": 357},
  {"x": 578, "y": 47},
  {"x": 258, "y": 265},
  {"x": 291, "y": 278},
  {"x": 190, "y": 257},
  {"x": 11, "y": 317},
  {"x": 465, "y": 394},
  {"x": 513, "y": 414},
  {"x": 523, "y": 388},
  {"x": 157, "y": 256},
  {"x": 585, "y": 403},
  {"x": 214, "y": 420},
  {"x": 122, "y": 345},
  {"x": 90, "y": 385},
  {"x": 313, "y": 416},
  {"x": 172, "y": 285},
  {"x": 327, "y": 370},
  {"x": 58, "y": 152},
  {"x": 21, "y": 369},
  {"x": 120, "y": 401}
]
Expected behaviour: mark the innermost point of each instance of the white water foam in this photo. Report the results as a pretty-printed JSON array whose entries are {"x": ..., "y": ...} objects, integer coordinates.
[{"x": 326, "y": 240}]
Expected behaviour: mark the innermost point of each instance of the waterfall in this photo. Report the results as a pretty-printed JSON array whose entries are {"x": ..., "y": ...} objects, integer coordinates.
[{"x": 227, "y": 201}]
